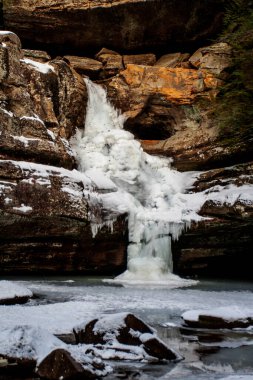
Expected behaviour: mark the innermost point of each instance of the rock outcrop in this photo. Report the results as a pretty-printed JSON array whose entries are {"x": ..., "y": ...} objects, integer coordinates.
[
  {"x": 59, "y": 364},
  {"x": 219, "y": 318},
  {"x": 169, "y": 107},
  {"x": 168, "y": 104},
  {"x": 46, "y": 223},
  {"x": 220, "y": 245},
  {"x": 40, "y": 106},
  {"x": 74, "y": 26}
]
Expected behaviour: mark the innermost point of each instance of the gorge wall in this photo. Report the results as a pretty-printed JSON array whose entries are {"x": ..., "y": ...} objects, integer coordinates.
[
  {"x": 157, "y": 64},
  {"x": 129, "y": 25}
]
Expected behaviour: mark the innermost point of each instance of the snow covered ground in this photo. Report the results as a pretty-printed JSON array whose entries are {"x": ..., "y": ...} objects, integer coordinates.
[
  {"x": 9, "y": 290},
  {"x": 64, "y": 303}
]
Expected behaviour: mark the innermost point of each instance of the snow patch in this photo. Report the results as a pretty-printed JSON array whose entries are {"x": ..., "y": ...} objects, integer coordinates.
[
  {"x": 23, "y": 208},
  {"x": 9, "y": 289},
  {"x": 228, "y": 314},
  {"x": 44, "y": 68},
  {"x": 35, "y": 118},
  {"x": 25, "y": 140}
]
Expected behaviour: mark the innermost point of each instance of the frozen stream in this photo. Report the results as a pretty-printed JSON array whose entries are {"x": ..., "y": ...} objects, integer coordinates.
[{"x": 62, "y": 303}]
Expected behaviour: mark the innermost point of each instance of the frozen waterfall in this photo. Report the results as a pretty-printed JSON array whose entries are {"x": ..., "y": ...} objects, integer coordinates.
[{"x": 144, "y": 186}]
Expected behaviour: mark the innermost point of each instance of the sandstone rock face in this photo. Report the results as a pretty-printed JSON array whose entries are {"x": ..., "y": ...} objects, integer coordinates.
[
  {"x": 174, "y": 60},
  {"x": 37, "y": 55},
  {"x": 215, "y": 58},
  {"x": 222, "y": 245},
  {"x": 40, "y": 106},
  {"x": 170, "y": 108},
  {"x": 45, "y": 225},
  {"x": 85, "y": 66},
  {"x": 118, "y": 24},
  {"x": 160, "y": 101},
  {"x": 139, "y": 59}
]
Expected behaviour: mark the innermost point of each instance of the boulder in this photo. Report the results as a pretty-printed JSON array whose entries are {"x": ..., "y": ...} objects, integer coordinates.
[
  {"x": 119, "y": 24},
  {"x": 121, "y": 333},
  {"x": 139, "y": 59},
  {"x": 85, "y": 66},
  {"x": 215, "y": 58},
  {"x": 37, "y": 55},
  {"x": 59, "y": 364},
  {"x": 119, "y": 325},
  {"x": 112, "y": 62},
  {"x": 219, "y": 318},
  {"x": 156, "y": 348},
  {"x": 174, "y": 60}
]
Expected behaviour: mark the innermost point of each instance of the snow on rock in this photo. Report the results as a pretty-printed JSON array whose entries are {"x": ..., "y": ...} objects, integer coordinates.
[
  {"x": 44, "y": 68},
  {"x": 35, "y": 343},
  {"x": 123, "y": 336},
  {"x": 23, "y": 208},
  {"x": 25, "y": 140},
  {"x": 13, "y": 293},
  {"x": 222, "y": 317},
  {"x": 28, "y": 342}
]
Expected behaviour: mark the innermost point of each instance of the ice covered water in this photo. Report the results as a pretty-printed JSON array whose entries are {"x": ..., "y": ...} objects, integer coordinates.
[{"x": 144, "y": 186}]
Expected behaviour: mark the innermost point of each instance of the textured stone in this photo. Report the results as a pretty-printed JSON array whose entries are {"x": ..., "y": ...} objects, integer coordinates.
[
  {"x": 119, "y": 24},
  {"x": 44, "y": 224},
  {"x": 88, "y": 333},
  {"x": 37, "y": 55},
  {"x": 10, "y": 55},
  {"x": 126, "y": 329},
  {"x": 112, "y": 63},
  {"x": 59, "y": 364},
  {"x": 41, "y": 105},
  {"x": 220, "y": 245},
  {"x": 215, "y": 58},
  {"x": 139, "y": 59},
  {"x": 206, "y": 321},
  {"x": 158, "y": 101},
  {"x": 174, "y": 60},
  {"x": 85, "y": 66}
]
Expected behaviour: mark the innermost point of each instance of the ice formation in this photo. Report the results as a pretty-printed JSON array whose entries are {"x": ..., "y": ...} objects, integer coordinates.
[{"x": 146, "y": 188}]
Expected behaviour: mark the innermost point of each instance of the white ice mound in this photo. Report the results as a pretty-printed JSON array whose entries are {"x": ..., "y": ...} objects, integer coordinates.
[
  {"x": 28, "y": 342},
  {"x": 10, "y": 290}
]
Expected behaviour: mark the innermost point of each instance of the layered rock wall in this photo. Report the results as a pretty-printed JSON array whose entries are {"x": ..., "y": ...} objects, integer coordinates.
[
  {"x": 166, "y": 90},
  {"x": 46, "y": 221},
  {"x": 128, "y": 25}
]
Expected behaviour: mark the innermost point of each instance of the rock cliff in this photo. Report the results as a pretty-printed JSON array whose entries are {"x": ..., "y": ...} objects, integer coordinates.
[
  {"x": 45, "y": 218},
  {"x": 168, "y": 98},
  {"x": 222, "y": 244},
  {"x": 129, "y": 25}
]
